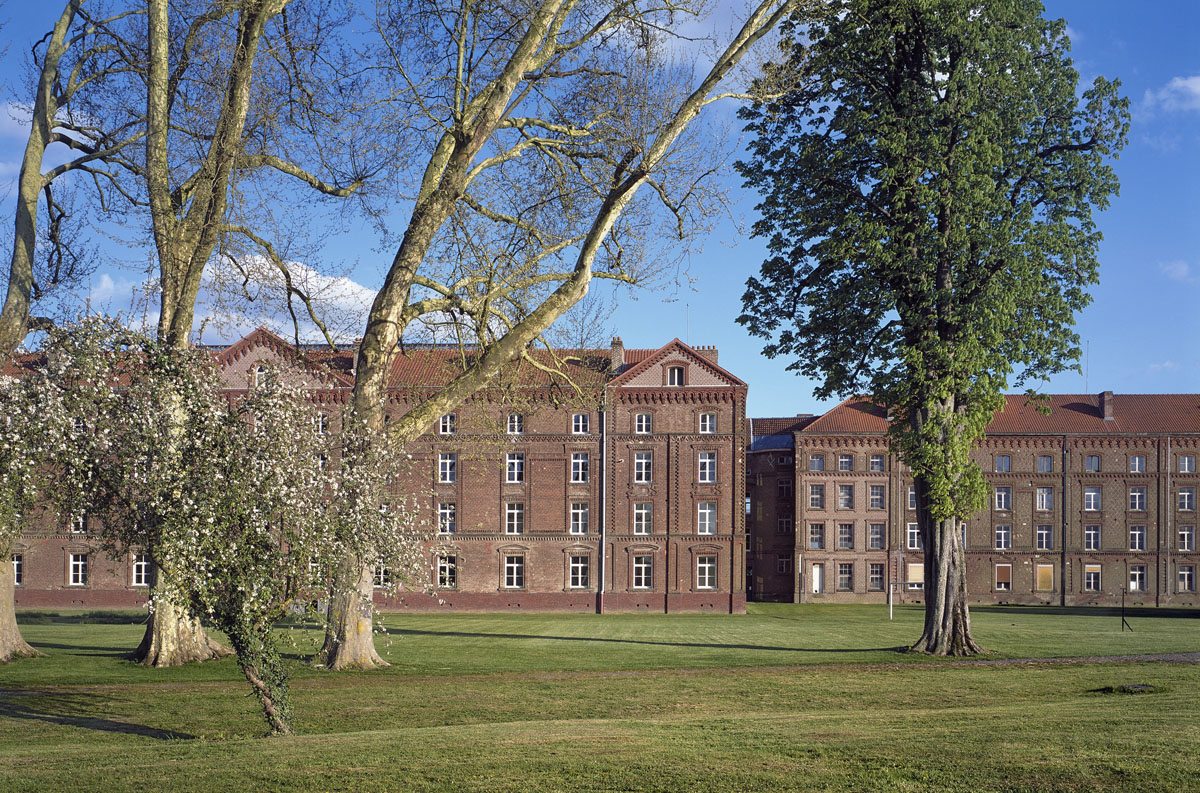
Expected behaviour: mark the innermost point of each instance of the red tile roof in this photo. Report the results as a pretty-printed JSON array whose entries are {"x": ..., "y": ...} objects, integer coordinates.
[{"x": 780, "y": 426}]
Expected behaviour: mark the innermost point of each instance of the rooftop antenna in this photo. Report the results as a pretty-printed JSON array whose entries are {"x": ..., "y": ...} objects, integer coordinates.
[
  {"x": 1087, "y": 359},
  {"x": 687, "y": 334}
]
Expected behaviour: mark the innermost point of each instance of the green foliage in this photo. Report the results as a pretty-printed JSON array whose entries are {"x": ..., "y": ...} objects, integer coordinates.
[{"x": 927, "y": 198}]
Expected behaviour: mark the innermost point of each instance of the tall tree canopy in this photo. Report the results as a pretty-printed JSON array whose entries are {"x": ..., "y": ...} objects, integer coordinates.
[{"x": 928, "y": 197}]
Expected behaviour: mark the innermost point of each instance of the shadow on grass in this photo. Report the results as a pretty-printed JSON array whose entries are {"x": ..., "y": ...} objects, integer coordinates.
[
  {"x": 87, "y": 618},
  {"x": 69, "y": 710},
  {"x": 81, "y": 649},
  {"x": 1088, "y": 611}
]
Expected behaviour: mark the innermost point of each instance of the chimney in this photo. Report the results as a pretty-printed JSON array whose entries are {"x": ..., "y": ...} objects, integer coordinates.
[
  {"x": 616, "y": 356},
  {"x": 709, "y": 352},
  {"x": 1106, "y": 405}
]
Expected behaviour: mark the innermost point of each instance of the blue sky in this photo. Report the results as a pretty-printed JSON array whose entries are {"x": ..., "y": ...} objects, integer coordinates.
[{"x": 1142, "y": 331}]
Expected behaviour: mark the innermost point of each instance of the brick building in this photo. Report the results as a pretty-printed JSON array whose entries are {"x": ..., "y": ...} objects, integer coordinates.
[
  {"x": 1097, "y": 496},
  {"x": 616, "y": 484}
]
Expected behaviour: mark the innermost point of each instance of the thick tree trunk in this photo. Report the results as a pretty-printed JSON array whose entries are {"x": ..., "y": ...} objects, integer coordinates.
[
  {"x": 174, "y": 637},
  {"x": 12, "y": 645},
  {"x": 350, "y": 633},
  {"x": 947, "y": 617}
]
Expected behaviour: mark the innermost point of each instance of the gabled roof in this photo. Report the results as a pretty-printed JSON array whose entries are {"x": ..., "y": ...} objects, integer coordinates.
[
  {"x": 316, "y": 364},
  {"x": 856, "y": 415},
  {"x": 781, "y": 426},
  {"x": 662, "y": 353}
]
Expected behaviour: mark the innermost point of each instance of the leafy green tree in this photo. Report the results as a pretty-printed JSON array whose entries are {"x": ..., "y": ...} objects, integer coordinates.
[{"x": 928, "y": 195}]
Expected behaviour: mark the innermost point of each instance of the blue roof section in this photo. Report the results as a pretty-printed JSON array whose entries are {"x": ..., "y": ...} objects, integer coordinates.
[{"x": 762, "y": 443}]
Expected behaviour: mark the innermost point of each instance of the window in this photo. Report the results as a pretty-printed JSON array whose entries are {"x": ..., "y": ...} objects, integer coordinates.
[
  {"x": 706, "y": 468},
  {"x": 579, "y": 466},
  {"x": 514, "y": 572},
  {"x": 141, "y": 570},
  {"x": 514, "y": 517},
  {"x": 845, "y": 576},
  {"x": 816, "y": 496},
  {"x": 1003, "y": 499},
  {"x": 321, "y": 424},
  {"x": 447, "y": 572},
  {"x": 322, "y": 461},
  {"x": 643, "y": 572},
  {"x": 1091, "y": 463},
  {"x": 845, "y": 462},
  {"x": 579, "y": 424},
  {"x": 1044, "y": 578},
  {"x": 447, "y": 517},
  {"x": 818, "y": 578},
  {"x": 1137, "y": 499},
  {"x": 1091, "y": 499},
  {"x": 845, "y": 536},
  {"x": 515, "y": 467},
  {"x": 79, "y": 569},
  {"x": 674, "y": 375},
  {"x": 1091, "y": 578},
  {"x": 1003, "y": 463},
  {"x": 643, "y": 520},
  {"x": 1187, "y": 463},
  {"x": 915, "y": 543},
  {"x": 1045, "y": 464},
  {"x": 382, "y": 577},
  {"x": 706, "y": 517},
  {"x": 643, "y": 424},
  {"x": 579, "y": 572},
  {"x": 1187, "y": 499},
  {"x": 1091, "y": 538},
  {"x": 916, "y": 576},
  {"x": 516, "y": 424},
  {"x": 260, "y": 376},
  {"x": 643, "y": 466},
  {"x": 912, "y": 497},
  {"x": 816, "y": 536},
  {"x": 446, "y": 467},
  {"x": 1187, "y": 578},
  {"x": 1137, "y": 464},
  {"x": 708, "y": 423},
  {"x": 816, "y": 462},
  {"x": 875, "y": 537},
  {"x": 1045, "y": 537},
  {"x": 18, "y": 563},
  {"x": 79, "y": 523},
  {"x": 1187, "y": 538},
  {"x": 875, "y": 577},
  {"x": 1045, "y": 499},
  {"x": 580, "y": 517},
  {"x": 1003, "y": 577},
  {"x": 1137, "y": 578},
  {"x": 1137, "y": 538},
  {"x": 845, "y": 496},
  {"x": 877, "y": 496},
  {"x": 783, "y": 564},
  {"x": 785, "y": 489},
  {"x": 706, "y": 572},
  {"x": 448, "y": 425},
  {"x": 876, "y": 462},
  {"x": 1003, "y": 538}
]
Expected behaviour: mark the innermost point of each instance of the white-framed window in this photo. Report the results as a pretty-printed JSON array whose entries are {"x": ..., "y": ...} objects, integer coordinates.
[
  {"x": 878, "y": 496},
  {"x": 816, "y": 462},
  {"x": 448, "y": 424},
  {"x": 516, "y": 424},
  {"x": 1187, "y": 463},
  {"x": 643, "y": 423},
  {"x": 1003, "y": 537},
  {"x": 845, "y": 580},
  {"x": 845, "y": 462},
  {"x": 1186, "y": 578},
  {"x": 141, "y": 570},
  {"x": 579, "y": 466},
  {"x": 784, "y": 526},
  {"x": 580, "y": 517},
  {"x": 382, "y": 577},
  {"x": 845, "y": 496},
  {"x": 675, "y": 375},
  {"x": 915, "y": 543},
  {"x": 875, "y": 577},
  {"x": 579, "y": 423},
  {"x": 580, "y": 572},
  {"x": 816, "y": 536},
  {"x": 78, "y": 575},
  {"x": 1045, "y": 499},
  {"x": 643, "y": 466},
  {"x": 1091, "y": 499},
  {"x": 1091, "y": 463},
  {"x": 706, "y": 517},
  {"x": 783, "y": 564},
  {"x": 18, "y": 563},
  {"x": 845, "y": 538},
  {"x": 706, "y": 467},
  {"x": 1137, "y": 538},
  {"x": 260, "y": 375},
  {"x": 816, "y": 496},
  {"x": 708, "y": 423},
  {"x": 1045, "y": 464},
  {"x": 447, "y": 571},
  {"x": 322, "y": 461},
  {"x": 1003, "y": 499},
  {"x": 706, "y": 572},
  {"x": 875, "y": 537},
  {"x": 447, "y": 517},
  {"x": 321, "y": 424},
  {"x": 916, "y": 575},
  {"x": 1091, "y": 538},
  {"x": 1091, "y": 578},
  {"x": 514, "y": 467},
  {"x": 1187, "y": 538},
  {"x": 514, "y": 517},
  {"x": 447, "y": 467},
  {"x": 643, "y": 517},
  {"x": 1137, "y": 463},
  {"x": 1137, "y": 578},
  {"x": 514, "y": 571},
  {"x": 1003, "y": 463},
  {"x": 1045, "y": 537},
  {"x": 643, "y": 572},
  {"x": 79, "y": 523},
  {"x": 1137, "y": 499},
  {"x": 876, "y": 463},
  {"x": 912, "y": 497},
  {"x": 1187, "y": 499},
  {"x": 1004, "y": 578}
]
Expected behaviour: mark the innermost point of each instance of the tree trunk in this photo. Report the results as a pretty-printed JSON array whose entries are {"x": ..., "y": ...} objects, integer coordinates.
[
  {"x": 350, "y": 633},
  {"x": 174, "y": 637},
  {"x": 947, "y": 618},
  {"x": 12, "y": 645}
]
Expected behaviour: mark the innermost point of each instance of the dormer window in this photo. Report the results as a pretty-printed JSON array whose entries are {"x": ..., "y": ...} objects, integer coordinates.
[{"x": 675, "y": 375}]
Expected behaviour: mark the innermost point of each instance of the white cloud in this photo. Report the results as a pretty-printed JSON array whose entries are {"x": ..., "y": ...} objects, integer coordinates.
[
  {"x": 1074, "y": 35},
  {"x": 1165, "y": 366},
  {"x": 14, "y": 121},
  {"x": 103, "y": 290},
  {"x": 1180, "y": 94},
  {"x": 1177, "y": 270}
]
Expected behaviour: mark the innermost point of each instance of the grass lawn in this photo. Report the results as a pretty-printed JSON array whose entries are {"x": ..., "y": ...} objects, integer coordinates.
[{"x": 784, "y": 698}]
